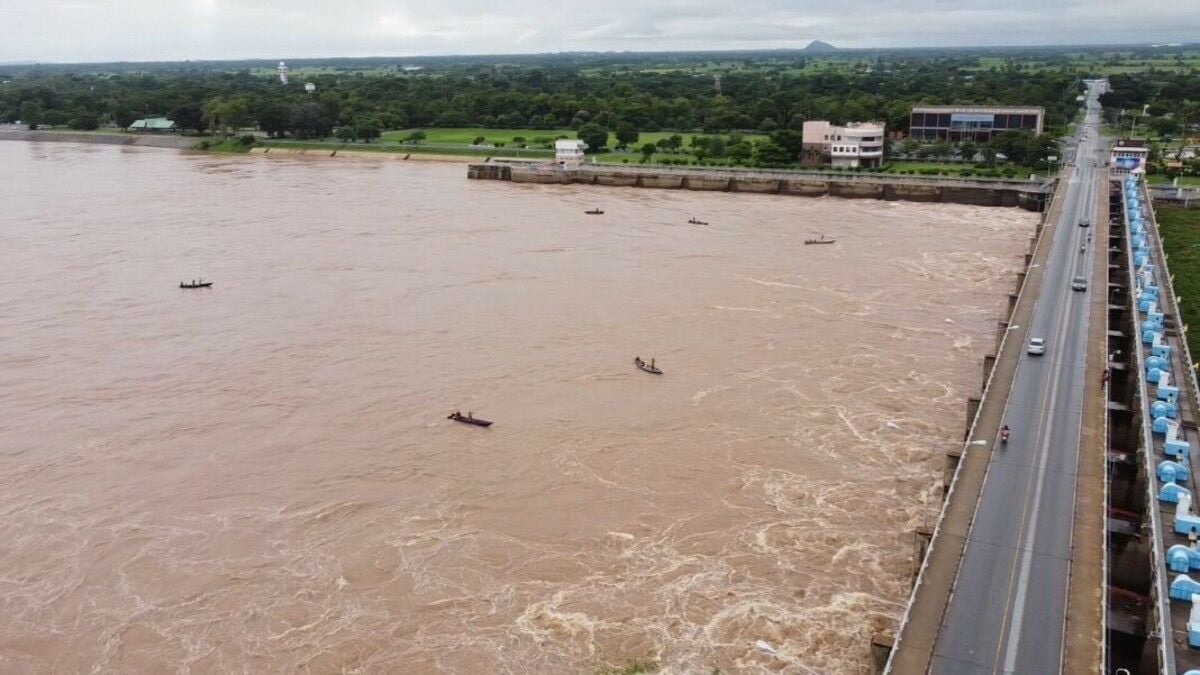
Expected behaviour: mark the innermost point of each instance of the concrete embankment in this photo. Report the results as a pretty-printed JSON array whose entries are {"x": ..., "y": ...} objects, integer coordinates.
[
  {"x": 1029, "y": 195},
  {"x": 143, "y": 140}
]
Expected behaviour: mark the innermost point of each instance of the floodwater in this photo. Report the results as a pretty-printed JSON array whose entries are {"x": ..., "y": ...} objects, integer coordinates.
[{"x": 260, "y": 477}]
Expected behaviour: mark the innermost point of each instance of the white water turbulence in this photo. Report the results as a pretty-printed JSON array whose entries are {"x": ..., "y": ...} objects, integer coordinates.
[{"x": 260, "y": 476}]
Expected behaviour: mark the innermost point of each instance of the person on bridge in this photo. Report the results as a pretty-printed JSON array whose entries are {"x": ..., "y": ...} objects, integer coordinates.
[{"x": 1104, "y": 378}]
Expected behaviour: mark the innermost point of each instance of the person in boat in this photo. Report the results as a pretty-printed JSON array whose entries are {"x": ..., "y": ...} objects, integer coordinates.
[
  {"x": 651, "y": 362},
  {"x": 470, "y": 415}
]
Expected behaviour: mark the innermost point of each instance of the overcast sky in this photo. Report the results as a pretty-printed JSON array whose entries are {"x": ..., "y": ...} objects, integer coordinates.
[{"x": 144, "y": 30}]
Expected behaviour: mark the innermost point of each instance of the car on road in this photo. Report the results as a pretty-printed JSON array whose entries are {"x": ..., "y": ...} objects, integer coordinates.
[
  {"x": 1084, "y": 222},
  {"x": 1037, "y": 346},
  {"x": 1079, "y": 284}
]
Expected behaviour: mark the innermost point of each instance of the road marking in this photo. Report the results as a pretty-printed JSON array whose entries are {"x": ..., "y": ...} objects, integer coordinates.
[
  {"x": 1018, "y": 615},
  {"x": 1042, "y": 417}
]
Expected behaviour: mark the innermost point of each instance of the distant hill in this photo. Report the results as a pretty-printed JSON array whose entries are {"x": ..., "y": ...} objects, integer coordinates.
[{"x": 820, "y": 47}]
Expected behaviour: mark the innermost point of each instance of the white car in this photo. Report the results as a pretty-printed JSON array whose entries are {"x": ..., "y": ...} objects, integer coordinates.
[
  {"x": 1037, "y": 346},
  {"x": 1079, "y": 284}
]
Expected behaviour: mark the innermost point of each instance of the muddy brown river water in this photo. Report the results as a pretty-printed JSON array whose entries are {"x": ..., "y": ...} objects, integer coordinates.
[{"x": 260, "y": 477}]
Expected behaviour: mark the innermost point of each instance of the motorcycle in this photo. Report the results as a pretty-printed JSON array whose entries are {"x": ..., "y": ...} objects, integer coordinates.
[{"x": 1004, "y": 436}]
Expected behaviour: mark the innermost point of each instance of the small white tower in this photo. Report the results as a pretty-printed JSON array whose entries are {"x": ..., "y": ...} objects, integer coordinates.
[
  {"x": 310, "y": 87},
  {"x": 283, "y": 72}
]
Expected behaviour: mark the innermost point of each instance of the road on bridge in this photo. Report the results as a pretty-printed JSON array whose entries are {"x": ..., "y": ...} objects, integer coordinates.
[{"x": 1007, "y": 611}]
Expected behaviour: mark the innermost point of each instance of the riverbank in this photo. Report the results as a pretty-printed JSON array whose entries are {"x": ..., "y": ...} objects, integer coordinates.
[
  {"x": 354, "y": 153},
  {"x": 61, "y": 136}
]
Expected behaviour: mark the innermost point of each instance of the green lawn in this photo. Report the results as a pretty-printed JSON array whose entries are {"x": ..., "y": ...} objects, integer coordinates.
[
  {"x": 465, "y": 135},
  {"x": 1180, "y": 230},
  {"x": 333, "y": 144},
  {"x": 897, "y": 167},
  {"x": 1156, "y": 178}
]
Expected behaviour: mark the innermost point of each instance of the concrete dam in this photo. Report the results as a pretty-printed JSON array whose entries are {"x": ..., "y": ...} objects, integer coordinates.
[{"x": 1026, "y": 194}]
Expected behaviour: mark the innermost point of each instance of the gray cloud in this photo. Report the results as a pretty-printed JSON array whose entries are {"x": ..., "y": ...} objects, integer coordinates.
[{"x": 101, "y": 30}]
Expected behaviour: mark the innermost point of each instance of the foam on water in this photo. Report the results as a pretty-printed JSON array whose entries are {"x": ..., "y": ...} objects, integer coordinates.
[{"x": 260, "y": 478}]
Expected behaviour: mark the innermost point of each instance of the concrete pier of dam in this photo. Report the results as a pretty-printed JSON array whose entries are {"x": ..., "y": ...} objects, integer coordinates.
[{"x": 1027, "y": 194}]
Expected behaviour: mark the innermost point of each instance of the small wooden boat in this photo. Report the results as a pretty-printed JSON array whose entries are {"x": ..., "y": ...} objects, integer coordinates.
[
  {"x": 594, "y": 212},
  {"x": 694, "y": 221},
  {"x": 468, "y": 419},
  {"x": 198, "y": 284},
  {"x": 822, "y": 240},
  {"x": 648, "y": 367}
]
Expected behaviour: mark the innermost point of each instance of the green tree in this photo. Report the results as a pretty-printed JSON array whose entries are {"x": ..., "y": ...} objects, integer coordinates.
[
  {"x": 309, "y": 120},
  {"x": 415, "y": 137},
  {"x": 942, "y": 149},
  {"x": 84, "y": 121},
  {"x": 227, "y": 113},
  {"x": 790, "y": 140},
  {"x": 740, "y": 152},
  {"x": 967, "y": 150},
  {"x": 648, "y": 150},
  {"x": 272, "y": 118},
  {"x": 594, "y": 135},
  {"x": 123, "y": 115},
  {"x": 54, "y": 118},
  {"x": 31, "y": 114},
  {"x": 716, "y": 146},
  {"x": 345, "y": 133},
  {"x": 188, "y": 117},
  {"x": 626, "y": 134},
  {"x": 368, "y": 130},
  {"x": 770, "y": 153}
]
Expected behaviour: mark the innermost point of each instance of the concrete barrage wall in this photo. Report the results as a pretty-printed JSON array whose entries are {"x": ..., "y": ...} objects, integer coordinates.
[{"x": 1029, "y": 196}]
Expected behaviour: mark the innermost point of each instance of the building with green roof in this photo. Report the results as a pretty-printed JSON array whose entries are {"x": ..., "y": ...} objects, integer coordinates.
[{"x": 153, "y": 125}]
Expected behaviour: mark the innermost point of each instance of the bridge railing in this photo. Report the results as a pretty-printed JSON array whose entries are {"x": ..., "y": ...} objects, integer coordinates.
[
  {"x": 1163, "y": 604},
  {"x": 934, "y": 540}
]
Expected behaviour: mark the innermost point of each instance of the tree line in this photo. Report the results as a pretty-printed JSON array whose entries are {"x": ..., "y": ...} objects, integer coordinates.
[{"x": 774, "y": 100}]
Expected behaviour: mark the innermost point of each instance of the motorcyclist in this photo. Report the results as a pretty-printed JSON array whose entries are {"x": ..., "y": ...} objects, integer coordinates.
[{"x": 1004, "y": 432}]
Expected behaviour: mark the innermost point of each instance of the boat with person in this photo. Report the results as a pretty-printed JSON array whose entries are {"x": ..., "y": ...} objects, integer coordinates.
[
  {"x": 820, "y": 240},
  {"x": 469, "y": 418},
  {"x": 647, "y": 367},
  {"x": 595, "y": 212},
  {"x": 696, "y": 221},
  {"x": 196, "y": 284}
]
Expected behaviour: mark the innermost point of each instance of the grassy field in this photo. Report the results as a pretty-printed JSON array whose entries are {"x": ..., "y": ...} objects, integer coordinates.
[
  {"x": 465, "y": 135},
  {"x": 1108, "y": 63},
  {"x": 467, "y": 151},
  {"x": 1156, "y": 178},
  {"x": 1180, "y": 230},
  {"x": 955, "y": 169}
]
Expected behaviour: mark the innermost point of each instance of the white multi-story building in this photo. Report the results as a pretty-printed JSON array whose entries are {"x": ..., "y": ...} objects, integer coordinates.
[
  {"x": 856, "y": 144},
  {"x": 1129, "y": 156},
  {"x": 569, "y": 151}
]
